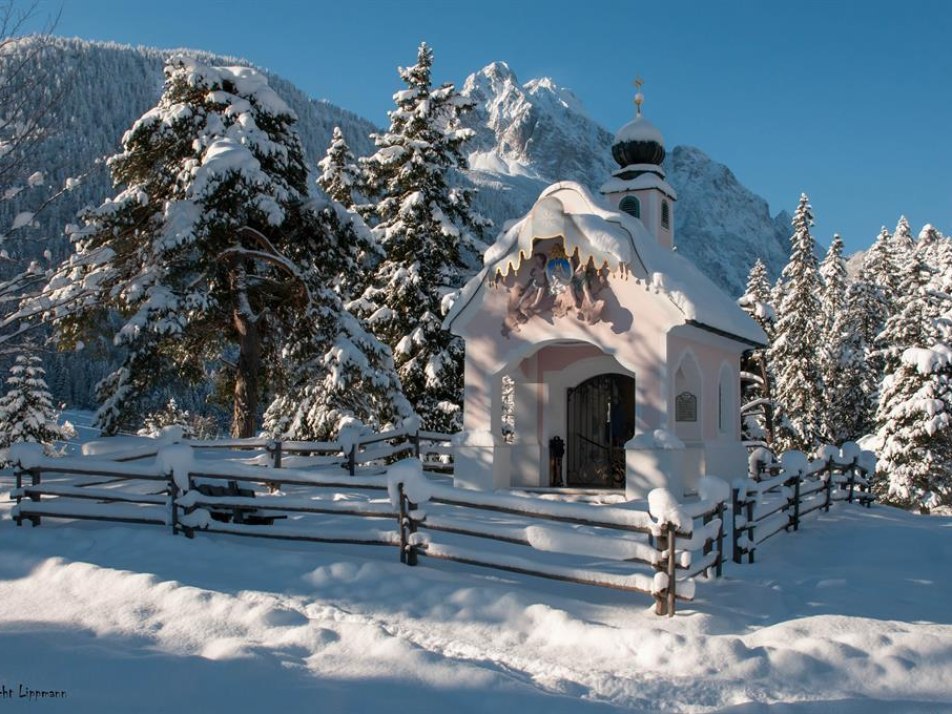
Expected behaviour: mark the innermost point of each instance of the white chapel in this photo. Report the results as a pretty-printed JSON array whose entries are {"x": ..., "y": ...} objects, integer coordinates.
[{"x": 615, "y": 359}]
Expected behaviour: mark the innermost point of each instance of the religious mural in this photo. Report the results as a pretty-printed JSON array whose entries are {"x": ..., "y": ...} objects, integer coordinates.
[{"x": 551, "y": 284}]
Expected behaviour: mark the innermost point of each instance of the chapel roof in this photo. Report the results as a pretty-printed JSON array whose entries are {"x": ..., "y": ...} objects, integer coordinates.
[{"x": 569, "y": 210}]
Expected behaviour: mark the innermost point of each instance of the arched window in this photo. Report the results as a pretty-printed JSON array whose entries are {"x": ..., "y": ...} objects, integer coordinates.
[
  {"x": 631, "y": 206},
  {"x": 727, "y": 415},
  {"x": 665, "y": 215},
  {"x": 687, "y": 389}
]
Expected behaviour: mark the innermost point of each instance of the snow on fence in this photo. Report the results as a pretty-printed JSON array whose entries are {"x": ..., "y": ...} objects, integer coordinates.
[
  {"x": 778, "y": 494},
  {"x": 658, "y": 552},
  {"x": 356, "y": 451},
  {"x": 668, "y": 551}
]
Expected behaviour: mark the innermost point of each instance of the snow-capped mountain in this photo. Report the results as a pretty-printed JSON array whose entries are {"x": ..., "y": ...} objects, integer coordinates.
[
  {"x": 528, "y": 135},
  {"x": 533, "y": 134}
]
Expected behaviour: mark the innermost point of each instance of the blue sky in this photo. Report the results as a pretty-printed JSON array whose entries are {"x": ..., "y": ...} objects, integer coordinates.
[{"x": 850, "y": 102}]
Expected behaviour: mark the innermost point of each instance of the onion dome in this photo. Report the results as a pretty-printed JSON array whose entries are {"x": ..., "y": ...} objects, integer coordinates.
[{"x": 639, "y": 141}]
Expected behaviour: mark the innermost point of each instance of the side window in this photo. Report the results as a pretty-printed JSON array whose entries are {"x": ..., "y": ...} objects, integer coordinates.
[
  {"x": 726, "y": 411},
  {"x": 631, "y": 205}
]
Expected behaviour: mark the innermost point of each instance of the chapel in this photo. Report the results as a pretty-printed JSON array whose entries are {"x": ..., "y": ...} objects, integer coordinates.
[{"x": 596, "y": 355}]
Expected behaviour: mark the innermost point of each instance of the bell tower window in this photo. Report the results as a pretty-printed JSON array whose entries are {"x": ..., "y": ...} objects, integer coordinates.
[
  {"x": 631, "y": 205},
  {"x": 665, "y": 215}
]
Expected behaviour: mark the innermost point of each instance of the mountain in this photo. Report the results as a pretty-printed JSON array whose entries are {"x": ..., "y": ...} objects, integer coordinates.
[
  {"x": 527, "y": 137},
  {"x": 531, "y": 135},
  {"x": 109, "y": 87}
]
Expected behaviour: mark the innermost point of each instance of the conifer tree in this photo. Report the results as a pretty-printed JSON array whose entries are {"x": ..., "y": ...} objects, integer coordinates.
[
  {"x": 909, "y": 325},
  {"x": 914, "y": 467},
  {"x": 26, "y": 410},
  {"x": 334, "y": 369},
  {"x": 902, "y": 241},
  {"x": 848, "y": 376},
  {"x": 213, "y": 250},
  {"x": 798, "y": 385},
  {"x": 424, "y": 226},
  {"x": 340, "y": 176},
  {"x": 833, "y": 332},
  {"x": 757, "y": 408}
]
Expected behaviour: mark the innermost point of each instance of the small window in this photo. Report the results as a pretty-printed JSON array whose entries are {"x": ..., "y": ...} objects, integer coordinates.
[
  {"x": 665, "y": 215},
  {"x": 685, "y": 407},
  {"x": 631, "y": 206}
]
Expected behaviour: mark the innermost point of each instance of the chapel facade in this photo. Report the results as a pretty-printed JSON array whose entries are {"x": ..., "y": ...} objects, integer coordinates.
[{"x": 596, "y": 356}]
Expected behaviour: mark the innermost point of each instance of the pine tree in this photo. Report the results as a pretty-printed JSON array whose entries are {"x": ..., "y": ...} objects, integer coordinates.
[
  {"x": 849, "y": 379},
  {"x": 757, "y": 408},
  {"x": 833, "y": 332},
  {"x": 425, "y": 227},
  {"x": 212, "y": 251},
  {"x": 334, "y": 371},
  {"x": 914, "y": 467},
  {"x": 798, "y": 385},
  {"x": 909, "y": 325},
  {"x": 340, "y": 176},
  {"x": 26, "y": 410},
  {"x": 902, "y": 240}
]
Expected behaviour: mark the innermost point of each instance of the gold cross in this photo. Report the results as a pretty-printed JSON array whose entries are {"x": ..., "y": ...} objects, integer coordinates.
[{"x": 639, "y": 97}]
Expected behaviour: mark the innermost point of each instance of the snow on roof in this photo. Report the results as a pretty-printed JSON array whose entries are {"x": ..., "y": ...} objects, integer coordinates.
[
  {"x": 647, "y": 179},
  {"x": 639, "y": 129},
  {"x": 569, "y": 210}
]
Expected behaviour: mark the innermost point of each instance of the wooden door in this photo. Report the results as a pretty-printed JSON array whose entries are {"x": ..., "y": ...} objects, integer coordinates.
[{"x": 601, "y": 418}]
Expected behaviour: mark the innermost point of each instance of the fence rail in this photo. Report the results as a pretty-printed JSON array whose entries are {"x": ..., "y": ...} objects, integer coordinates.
[
  {"x": 657, "y": 555},
  {"x": 778, "y": 495}
]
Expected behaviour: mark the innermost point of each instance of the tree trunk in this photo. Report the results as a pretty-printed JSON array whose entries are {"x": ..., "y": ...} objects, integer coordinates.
[
  {"x": 247, "y": 376},
  {"x": 248, "y": 369}
]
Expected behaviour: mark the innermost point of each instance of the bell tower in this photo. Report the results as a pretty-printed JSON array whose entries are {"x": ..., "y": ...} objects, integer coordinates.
[{"x": 639, "y": 187}]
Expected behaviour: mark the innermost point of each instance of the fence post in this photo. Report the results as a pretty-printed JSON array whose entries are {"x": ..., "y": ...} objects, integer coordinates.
[
  {"x": 416, "y": 443},
  {"x": 672, "y": 569},
  {"x": 735, "y": 537},
  {"x": 276, "y": 448},
  {"x": 35, "y": 497},
  {"x": 708, "y": 545},
  {"x": 408, "y": 554},
  {"x": 352, "y": 459},
  {"x": 720, "y": 540},
  {"x": 18, "y": 472},
  {"x": 749, "y": 508},
  {"x": 795, "y": 518},
  {"x": 173, "y": 497},
  {"x": 852, "y": 480},
  {"x": 829, "y": 489},
  {"x": 661, "y": 602}
]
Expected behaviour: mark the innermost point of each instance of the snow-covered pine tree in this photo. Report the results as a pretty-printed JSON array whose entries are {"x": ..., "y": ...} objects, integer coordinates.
[
  {"x": 757, "y": 409},
  {"x": 880, "y": 268},
  {"x": 191, "y": 252},
  {"x": 798, "y": 385},
  {"x": 169, "y": 415},
  {"x": 335, "y": 370},
  {"x": 831, "y": 350},
  {"x": 424, "y": 226},
  {"x": 910, "y": 324},
  {"x": 902, "y": 241},
  {"x": 340, "y": 176},
  {"x": 213, "y": 249},
  {"x": 914, "y": 466},
  {"x": 849, "y": 378},
  {"x": 26, "y": 410}
]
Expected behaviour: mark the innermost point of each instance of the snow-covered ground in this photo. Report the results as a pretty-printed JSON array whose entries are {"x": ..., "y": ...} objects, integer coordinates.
[{"x": 851, "y": 614}]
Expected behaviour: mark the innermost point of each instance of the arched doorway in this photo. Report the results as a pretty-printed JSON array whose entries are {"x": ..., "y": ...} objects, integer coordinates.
[{"x": 601, "y": 418}]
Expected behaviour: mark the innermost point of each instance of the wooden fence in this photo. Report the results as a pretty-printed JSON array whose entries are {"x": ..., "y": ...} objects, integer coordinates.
[
  {"x": 777, "y": 496},
  {"x": 659, "y": 556},
  {"x": 433, "y": 448}
]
